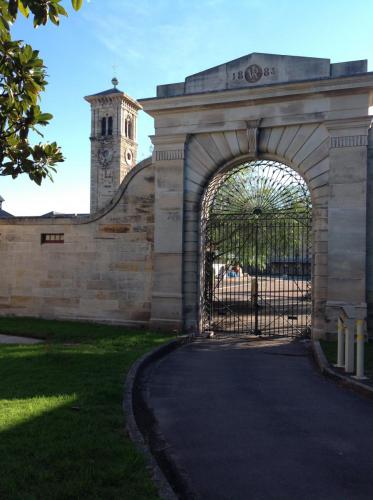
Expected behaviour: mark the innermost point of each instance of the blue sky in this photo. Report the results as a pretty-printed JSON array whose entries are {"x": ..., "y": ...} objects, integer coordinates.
[{"x": 162, "y": 41}]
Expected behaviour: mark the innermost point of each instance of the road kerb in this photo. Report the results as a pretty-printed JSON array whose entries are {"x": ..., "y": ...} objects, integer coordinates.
[{"x": 344, "y": 380}]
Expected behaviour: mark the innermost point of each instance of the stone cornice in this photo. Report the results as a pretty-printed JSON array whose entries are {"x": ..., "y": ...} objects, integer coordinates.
[
  {"x": 339, "y": 86},
  {"x": 354, "y": 123},
  {"x": 349, "y": 132},
  {"x": 169, "y": 139},
  {"x": 111, "y": 98}
]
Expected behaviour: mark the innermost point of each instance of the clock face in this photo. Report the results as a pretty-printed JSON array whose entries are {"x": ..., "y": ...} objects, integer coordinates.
[{"x": 104, "y": 156}]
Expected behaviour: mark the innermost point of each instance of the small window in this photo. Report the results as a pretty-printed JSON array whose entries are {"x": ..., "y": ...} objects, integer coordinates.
[
  {"x": 126, "y": 127},
  {"x": 52, "y": 238},
  {"x": 130, "y": 129},
  {"x": 103, "y": 126},
  {"x": 110, "y": 125}
]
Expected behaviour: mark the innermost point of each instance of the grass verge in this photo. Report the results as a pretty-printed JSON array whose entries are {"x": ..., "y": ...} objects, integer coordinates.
[
  {"x": 62, "y": 433},
  {"x": 330, "y": 350}
]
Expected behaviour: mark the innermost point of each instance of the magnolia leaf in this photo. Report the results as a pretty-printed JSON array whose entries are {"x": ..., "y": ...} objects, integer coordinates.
[
  {"x": 61, "y": 10},
  {"x": 13, "y": 8},
  {"x": 24, "y": 10},
  {"x": 77, "y": 4},
  {"x": 44, "y": 117},
  {"x": 23, "y": 78}
]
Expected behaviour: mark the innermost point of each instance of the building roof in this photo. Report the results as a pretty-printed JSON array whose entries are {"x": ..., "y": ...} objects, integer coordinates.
[
  {"x": 5, "y": 215},
  {"x": 114, "y": 92},
  {"x": 107, "y": 92}
]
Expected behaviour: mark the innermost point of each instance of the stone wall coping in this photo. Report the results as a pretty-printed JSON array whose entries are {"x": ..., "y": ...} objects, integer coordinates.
[
  {"x": 37, "y": 220},
  {"x": 353, "y": 312},
  {"x": 340, "y": 85}
]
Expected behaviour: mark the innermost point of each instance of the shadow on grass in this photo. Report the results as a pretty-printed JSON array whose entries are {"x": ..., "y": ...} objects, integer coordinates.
[{"x": 75, "y": 447}]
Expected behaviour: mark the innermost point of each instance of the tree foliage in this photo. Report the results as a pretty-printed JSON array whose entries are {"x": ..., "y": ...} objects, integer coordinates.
[{"x": 22, "y": 80}]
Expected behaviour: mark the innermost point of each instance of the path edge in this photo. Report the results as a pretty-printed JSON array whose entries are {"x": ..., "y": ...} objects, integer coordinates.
[
  {"x": 343, "y": 380},
  {"x": 164, "y": 487}
]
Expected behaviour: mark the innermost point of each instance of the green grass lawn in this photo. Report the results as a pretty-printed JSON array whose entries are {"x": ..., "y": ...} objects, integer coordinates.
[
  {"x": 330, "y": 350},
  {"x": 62, "y": 432}
]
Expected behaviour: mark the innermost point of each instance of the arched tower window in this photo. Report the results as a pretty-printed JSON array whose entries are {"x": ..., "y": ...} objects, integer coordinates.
[
  {"x": 126, "y": 127},
  {"x": 110, "y": 125},
  {"x": 130, "y": 128},
  {"x": 103, "y": 126}
]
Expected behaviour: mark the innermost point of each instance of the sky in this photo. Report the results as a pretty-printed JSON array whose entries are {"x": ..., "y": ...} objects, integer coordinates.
[{"x": 150, "y": 42}]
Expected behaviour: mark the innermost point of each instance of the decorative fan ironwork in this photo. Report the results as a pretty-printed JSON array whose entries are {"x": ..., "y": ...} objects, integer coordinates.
[
  {"x": 257, "y": 187},
  {"x": 256, "y": 244}
]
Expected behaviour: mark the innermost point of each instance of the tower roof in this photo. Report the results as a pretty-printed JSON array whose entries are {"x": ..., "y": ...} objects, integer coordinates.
[
  {"x": 107, "y": 92},
  {"x": 112, "y": 93}
]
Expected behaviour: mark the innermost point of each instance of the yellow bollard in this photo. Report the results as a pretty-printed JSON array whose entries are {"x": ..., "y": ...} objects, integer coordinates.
[
  {"x": 341, "y": 345},
  {"x": 349, "y": 345},
  {"x": 360, "y": 341}
]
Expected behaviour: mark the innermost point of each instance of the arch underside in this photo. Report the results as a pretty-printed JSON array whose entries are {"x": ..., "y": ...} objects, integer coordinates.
[{"x": 305, "y": 148}]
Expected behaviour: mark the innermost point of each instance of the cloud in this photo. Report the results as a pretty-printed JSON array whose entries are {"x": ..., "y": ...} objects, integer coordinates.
[
  {"x": 169, "y": 37},
  {"x": 166, "y": 36}
]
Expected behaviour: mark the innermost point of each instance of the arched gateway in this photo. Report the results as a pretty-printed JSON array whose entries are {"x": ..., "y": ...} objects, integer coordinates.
[
  {"x": 304, "y": 113},
  {"x": 256, "y": 249},
  {"x": 242, "y": 152}
]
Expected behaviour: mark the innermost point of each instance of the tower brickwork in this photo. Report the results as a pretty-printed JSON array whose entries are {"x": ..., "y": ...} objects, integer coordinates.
[{"x": 113, "y": 142}]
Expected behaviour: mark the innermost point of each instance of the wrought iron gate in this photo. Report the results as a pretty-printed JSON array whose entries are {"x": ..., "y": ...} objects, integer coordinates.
[{"x": 256, "y": 231}]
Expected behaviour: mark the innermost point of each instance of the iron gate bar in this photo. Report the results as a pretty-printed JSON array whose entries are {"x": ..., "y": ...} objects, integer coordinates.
[{"x": 256, "y": 222}]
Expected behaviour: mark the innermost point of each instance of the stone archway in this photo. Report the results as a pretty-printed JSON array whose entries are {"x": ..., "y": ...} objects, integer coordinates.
[
  {"x": 308, "y": 114},
  {"x": 304, "y": 147}
]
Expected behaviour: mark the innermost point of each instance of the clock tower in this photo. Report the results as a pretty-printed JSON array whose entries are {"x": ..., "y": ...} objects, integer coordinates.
[{"x": 113, "y": 142}]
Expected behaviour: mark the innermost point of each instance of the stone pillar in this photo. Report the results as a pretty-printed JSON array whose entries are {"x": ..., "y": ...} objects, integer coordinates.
[
  {"x": 370, "y": 233},
  {"x": 347, "y": 216},
  {"x": 167, "y": 298}
]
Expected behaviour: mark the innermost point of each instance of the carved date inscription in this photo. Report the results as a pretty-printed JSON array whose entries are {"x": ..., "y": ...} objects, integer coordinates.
[{"x": 253, "y": 73}]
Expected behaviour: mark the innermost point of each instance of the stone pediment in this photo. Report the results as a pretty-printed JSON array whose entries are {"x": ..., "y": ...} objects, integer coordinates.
[{"x": 261, "y": 69}]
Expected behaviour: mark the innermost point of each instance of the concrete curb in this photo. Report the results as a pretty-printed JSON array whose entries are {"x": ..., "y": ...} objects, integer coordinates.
[
  {"x": 343, "y": 380},
  {"x": 131, "y": 387},
  {"x": 18, "y": 340}
]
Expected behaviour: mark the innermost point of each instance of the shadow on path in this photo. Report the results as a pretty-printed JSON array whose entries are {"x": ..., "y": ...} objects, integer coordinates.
[{"x": 245, "y": 419}]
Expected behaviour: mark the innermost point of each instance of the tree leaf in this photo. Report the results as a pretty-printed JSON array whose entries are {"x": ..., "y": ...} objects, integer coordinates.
[
  {"x": 44, "y": 117},
  {"x": 61, "y": 10},
  {"x": 77, "y": 4},
  {"x": 13, "y": 8},
  {"x": 24, "y": 10},
  {"x": 23, "y": 78}
]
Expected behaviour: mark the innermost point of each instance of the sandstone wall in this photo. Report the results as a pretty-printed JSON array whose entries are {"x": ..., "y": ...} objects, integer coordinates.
[{"x": 102, "y": 271}]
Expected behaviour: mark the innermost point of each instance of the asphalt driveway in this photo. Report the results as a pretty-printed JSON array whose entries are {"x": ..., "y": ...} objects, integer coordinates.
[{"x": 255, "y": 420}]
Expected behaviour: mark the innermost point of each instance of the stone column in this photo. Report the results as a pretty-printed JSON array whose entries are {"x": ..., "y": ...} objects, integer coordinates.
[
  {"x": 370, "y": 233},
  {"x": 347, "y": 215},
  {"x": 167, "y": 297}
]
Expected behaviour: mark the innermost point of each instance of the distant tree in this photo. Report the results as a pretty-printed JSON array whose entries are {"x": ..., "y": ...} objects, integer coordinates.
[{"x": 22, "y": 79}]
